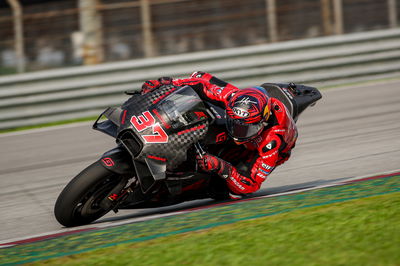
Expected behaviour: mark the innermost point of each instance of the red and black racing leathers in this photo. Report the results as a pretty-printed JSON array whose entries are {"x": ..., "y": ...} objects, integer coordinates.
[{"x": 263, "y": 153}]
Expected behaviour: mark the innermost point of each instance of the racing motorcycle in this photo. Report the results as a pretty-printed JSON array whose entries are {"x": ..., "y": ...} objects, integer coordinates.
[{"x": 158, "y": 136}]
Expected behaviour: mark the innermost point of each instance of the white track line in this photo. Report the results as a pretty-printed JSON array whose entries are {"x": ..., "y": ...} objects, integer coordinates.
[{"x": 6, "y": 243}]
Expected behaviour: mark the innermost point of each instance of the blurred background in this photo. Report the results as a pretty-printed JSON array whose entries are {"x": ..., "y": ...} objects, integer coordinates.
[
  {"x": 76, "y": 57},
  {"x": 44, "y": 34}
]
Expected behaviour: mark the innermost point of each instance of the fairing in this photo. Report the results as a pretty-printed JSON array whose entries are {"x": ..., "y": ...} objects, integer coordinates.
[
  {"x": 166, "y": 122},
  {"x": 295, "y": 97}
]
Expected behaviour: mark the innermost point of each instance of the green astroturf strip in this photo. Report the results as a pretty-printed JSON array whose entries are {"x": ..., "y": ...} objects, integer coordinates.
[{"x": 201, "y": 219}]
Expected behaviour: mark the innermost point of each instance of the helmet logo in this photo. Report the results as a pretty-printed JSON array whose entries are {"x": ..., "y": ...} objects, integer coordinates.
[
  {"x": 240, "y": 112},
  {"x": 246, "y": 100}
]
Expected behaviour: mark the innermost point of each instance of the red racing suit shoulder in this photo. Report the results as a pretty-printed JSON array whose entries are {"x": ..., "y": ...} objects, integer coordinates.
[{"x": 273, "y": 148}]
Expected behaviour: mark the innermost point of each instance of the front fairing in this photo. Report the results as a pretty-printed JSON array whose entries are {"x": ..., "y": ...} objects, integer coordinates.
[
  {"x": 109, "y": 125},
  {"x": 165, "y": 123}
]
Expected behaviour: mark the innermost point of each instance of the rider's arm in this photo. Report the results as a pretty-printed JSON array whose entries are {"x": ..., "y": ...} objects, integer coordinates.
[
  {"x": 209, "y": 87},
  {"x": 206, "y": 85},
  {"x": 242, "y": 183}
]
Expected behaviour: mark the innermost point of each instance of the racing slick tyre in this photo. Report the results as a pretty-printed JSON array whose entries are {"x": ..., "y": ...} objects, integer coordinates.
[{"x": 79, "y": 202}]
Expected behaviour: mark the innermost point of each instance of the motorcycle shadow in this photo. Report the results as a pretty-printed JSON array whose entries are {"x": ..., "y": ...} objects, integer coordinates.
[{"x": 207, "y": 203}]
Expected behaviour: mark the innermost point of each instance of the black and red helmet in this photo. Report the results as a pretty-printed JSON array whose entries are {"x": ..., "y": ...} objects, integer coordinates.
[{"x": 246, "y": 113}]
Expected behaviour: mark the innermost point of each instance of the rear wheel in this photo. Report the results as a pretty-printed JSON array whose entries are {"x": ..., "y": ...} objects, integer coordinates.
[{"x": 79, "y": 202}]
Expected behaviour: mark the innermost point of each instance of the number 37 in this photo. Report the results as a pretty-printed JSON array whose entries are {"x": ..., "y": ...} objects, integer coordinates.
[{"x": 146, "y": 120}]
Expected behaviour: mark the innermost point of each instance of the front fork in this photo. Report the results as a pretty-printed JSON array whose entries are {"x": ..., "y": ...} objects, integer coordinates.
[
  {"x": 118, "y": 161},
  {"x": 117, "y": 195}
]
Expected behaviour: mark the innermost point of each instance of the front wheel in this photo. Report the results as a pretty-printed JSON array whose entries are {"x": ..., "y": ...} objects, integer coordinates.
[{"x": 79, "y": 202}]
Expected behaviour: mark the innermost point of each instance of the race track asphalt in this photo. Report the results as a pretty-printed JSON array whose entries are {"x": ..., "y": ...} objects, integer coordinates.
[{"x": 352, "y": 131}]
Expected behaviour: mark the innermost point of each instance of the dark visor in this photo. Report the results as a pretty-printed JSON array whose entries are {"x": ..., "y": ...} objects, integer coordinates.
[{"x": 242, "y": 131}]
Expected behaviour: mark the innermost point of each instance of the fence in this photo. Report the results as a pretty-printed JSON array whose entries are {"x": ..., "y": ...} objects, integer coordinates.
[
  {"x": 43, "y": 34},
  {"x": 69, "y": 93}
]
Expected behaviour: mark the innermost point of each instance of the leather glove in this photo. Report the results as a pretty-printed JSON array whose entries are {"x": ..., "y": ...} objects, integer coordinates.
[
  {"x": 208, "y": 163},
  {"x": 165, "y": 80},
  {"x": 150, "y": 85}
]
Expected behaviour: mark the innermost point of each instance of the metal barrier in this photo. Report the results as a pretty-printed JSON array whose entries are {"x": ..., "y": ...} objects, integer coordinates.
[{"x": 78, "y": 92}]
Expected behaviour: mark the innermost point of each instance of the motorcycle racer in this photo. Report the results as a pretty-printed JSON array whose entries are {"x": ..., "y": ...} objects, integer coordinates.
[{"x": 259, "y": 123}]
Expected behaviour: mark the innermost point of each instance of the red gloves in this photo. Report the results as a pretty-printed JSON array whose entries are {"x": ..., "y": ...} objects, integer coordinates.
[
  {"x": 150, "y": 85},
  {"x": 208, "y": 163}
]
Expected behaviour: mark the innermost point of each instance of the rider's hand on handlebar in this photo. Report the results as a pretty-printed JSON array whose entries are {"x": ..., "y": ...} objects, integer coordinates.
[
  {"x": 208, "y": 162},
  {"x": 165, "y": 80},
  {"x": 150, "y": 85}
]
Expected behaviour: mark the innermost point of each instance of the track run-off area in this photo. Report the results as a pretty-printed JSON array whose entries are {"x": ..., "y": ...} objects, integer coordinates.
[
  {"x": 351, "y": 132},
  {"x": 84, "y": 240}
]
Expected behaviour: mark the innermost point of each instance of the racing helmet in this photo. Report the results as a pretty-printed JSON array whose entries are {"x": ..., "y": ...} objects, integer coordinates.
[{"x": 247, "y": 112}]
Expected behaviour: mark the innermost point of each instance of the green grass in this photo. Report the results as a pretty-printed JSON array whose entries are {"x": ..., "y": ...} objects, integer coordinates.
[
  {"x": 7, "y": 71},
  {"x": 58, "y": 123},
  {"x": 357, "y": 232}
]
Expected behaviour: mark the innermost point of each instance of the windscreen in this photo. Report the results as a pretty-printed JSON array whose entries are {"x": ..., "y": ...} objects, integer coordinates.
[{"x": 180, "y": 107}]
